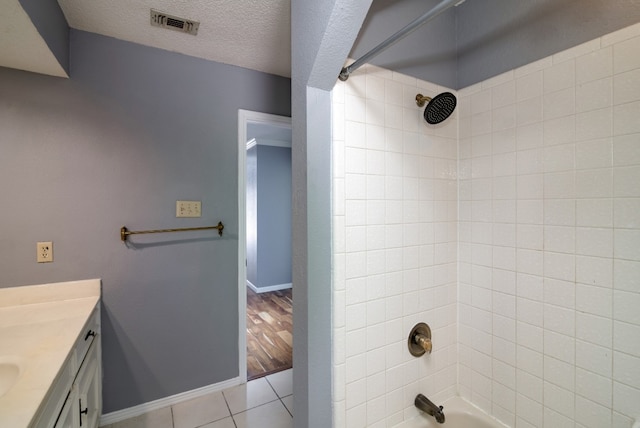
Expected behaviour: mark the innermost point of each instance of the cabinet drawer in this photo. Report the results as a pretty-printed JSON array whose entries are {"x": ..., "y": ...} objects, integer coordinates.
[{"x": 87, "y": 337}]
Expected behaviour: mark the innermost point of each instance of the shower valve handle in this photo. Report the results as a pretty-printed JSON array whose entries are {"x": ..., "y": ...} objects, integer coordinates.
[{"x": 424, "y": 342}]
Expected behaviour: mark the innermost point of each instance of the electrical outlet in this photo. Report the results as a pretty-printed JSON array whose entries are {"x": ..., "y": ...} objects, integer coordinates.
[
  {"x": 45, "y": 252},
  {"x": 188, "y": 208}
]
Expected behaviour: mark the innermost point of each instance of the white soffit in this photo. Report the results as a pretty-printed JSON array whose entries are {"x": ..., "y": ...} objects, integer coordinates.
[
  {"x": 21, "y": 45},
  {"x": 253, "y": 34}
]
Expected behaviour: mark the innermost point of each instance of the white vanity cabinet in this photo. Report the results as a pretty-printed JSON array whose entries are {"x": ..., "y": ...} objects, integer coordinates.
[{"x": 75, "y": 398}]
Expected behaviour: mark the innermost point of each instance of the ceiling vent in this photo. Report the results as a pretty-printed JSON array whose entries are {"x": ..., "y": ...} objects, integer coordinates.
[{"x": 161, "y": 19}]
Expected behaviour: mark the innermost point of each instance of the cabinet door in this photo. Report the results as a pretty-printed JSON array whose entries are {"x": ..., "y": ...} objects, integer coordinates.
[
  {"x": 69, "y": 412},
  {"x": 88, "y": 390}
]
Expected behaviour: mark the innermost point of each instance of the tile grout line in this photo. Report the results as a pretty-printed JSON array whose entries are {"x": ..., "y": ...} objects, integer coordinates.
[
  {"x": 229, "y": 409},
  {"x": 278, "y": 395},
  {"x": 285, "y": 406}
]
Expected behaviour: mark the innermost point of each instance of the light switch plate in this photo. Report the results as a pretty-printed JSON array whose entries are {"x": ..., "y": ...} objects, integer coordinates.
[{"x": 188, "y": 208}]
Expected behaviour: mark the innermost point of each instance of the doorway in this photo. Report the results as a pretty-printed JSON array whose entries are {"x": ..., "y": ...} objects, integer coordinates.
[{"x": 264, "y": 269}]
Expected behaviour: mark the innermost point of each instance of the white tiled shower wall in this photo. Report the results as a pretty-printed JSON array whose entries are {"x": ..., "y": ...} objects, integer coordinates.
[
  {"x": 549, "y": 252},
  {"x": 549, "y": 242},
  {"x": 394, "y": 244}
]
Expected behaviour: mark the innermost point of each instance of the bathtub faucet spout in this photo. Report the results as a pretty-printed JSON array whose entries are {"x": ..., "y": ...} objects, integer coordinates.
[{"x": 424, "y": 404}]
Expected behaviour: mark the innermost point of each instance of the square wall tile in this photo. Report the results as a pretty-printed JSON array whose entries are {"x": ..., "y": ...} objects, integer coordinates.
[
  {"x": 626, "y": 55},
  {"x": 559, "y": 158},
  {"x": 594, "y": 329},
  {"x": 594, "y": 95},
  {"x": 559, "y": 346},
  {"x": 559, "y": 399},
  {"x": 594, "y": 212},
  {"x": 592, "y": 415},
  {"x": 594, "y": 387},
  {"x": 626, "y": 150},
  {"x": 560, "y": 131},
  {"x": 599, "y": 124},
  {"x": 626, "y": 87},
  {"x": 594, "y": 300},
  {"x": 529, "y": 86},
  {"x": 559, "y": 212},
  {"x": 594, "y": 153},
  {"x": 559, "y": 373},
  {"x": 594, "y": 271},
  {"x": 559, "y": 103},
  {"x": 529, "y": 136},
  {"x": 625, "y": 119},
  {"x": 559, "y": 76},
  {"x": 594, "y": 242},
  {"x": 594, "y": 358},
  {"x": 627, "y": 244},
  {"x": 529, "y": 111},
  {"x": 625, "y": 181},
  {"x": 559, "y": 266},
  {"x": 626, "y": 399},
  {"x": 625, "y": 307},
  {"x": 594, "y": 65},
  {"x": 529, "y": 411}
]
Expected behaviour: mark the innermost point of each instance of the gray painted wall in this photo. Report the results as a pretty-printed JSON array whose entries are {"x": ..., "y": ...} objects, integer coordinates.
[
  {"x": 50, "y": 22},
  {"x": 133, "y": 130},
  {"x": 252, "y": 214},
  {"x": 274, "y": 216},
  {"x": 483, "y": 38},
  {"x": 428, "y": 51}
]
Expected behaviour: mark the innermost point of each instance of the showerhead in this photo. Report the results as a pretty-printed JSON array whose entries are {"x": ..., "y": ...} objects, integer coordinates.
[{"x": 439, "y": 108}]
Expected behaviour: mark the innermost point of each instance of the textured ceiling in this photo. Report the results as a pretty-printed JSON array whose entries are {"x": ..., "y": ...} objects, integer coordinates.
[
  {"x": 21, "y": 46},
  {"x": 253, "y": 34}
]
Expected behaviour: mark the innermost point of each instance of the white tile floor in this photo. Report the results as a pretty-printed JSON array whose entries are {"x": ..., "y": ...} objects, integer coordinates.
[{"x": 261, "y": 403}]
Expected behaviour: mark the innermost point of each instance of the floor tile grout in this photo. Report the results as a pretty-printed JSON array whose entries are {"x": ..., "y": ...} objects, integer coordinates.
[
  {"x": 285, "y": 407},
  {"x": 272, "y": 388},
  {"x": 229, "y": 409}
]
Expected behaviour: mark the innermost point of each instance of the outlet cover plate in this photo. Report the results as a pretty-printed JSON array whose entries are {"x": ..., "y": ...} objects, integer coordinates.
[
  {"x": 44, "y": 252},
  {"x": 188, "y": 208}
]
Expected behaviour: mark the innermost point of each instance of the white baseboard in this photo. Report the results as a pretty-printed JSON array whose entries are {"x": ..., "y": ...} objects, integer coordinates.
[
  {"x": 140, "y": 409},
  {"x": 269, "y": 288}
]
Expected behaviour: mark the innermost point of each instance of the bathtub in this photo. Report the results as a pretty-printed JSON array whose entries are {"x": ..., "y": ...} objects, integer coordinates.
[{"x": 458, "y": 414}]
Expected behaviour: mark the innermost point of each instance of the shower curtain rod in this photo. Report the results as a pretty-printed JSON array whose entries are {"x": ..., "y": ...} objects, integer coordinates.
[{"x": 426, "y": 17}]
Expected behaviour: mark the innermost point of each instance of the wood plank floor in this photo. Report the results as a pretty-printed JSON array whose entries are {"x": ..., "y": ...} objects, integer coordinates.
[{"x": 269, "y": 332}]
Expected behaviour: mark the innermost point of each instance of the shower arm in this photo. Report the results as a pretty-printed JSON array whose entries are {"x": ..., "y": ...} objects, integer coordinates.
[{"x": 426, "y": 17}]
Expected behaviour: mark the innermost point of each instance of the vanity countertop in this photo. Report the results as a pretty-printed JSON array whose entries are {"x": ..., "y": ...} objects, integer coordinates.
[{"x": 39, "y": 325}]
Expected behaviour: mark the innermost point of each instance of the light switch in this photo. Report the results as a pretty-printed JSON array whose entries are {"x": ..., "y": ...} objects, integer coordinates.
[{"x": 188, "y": 208}]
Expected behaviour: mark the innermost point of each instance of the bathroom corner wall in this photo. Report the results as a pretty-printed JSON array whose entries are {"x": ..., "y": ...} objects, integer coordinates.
[
  {"x": 394, "y": 248},
  {"x": 549, "y": 254}
]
